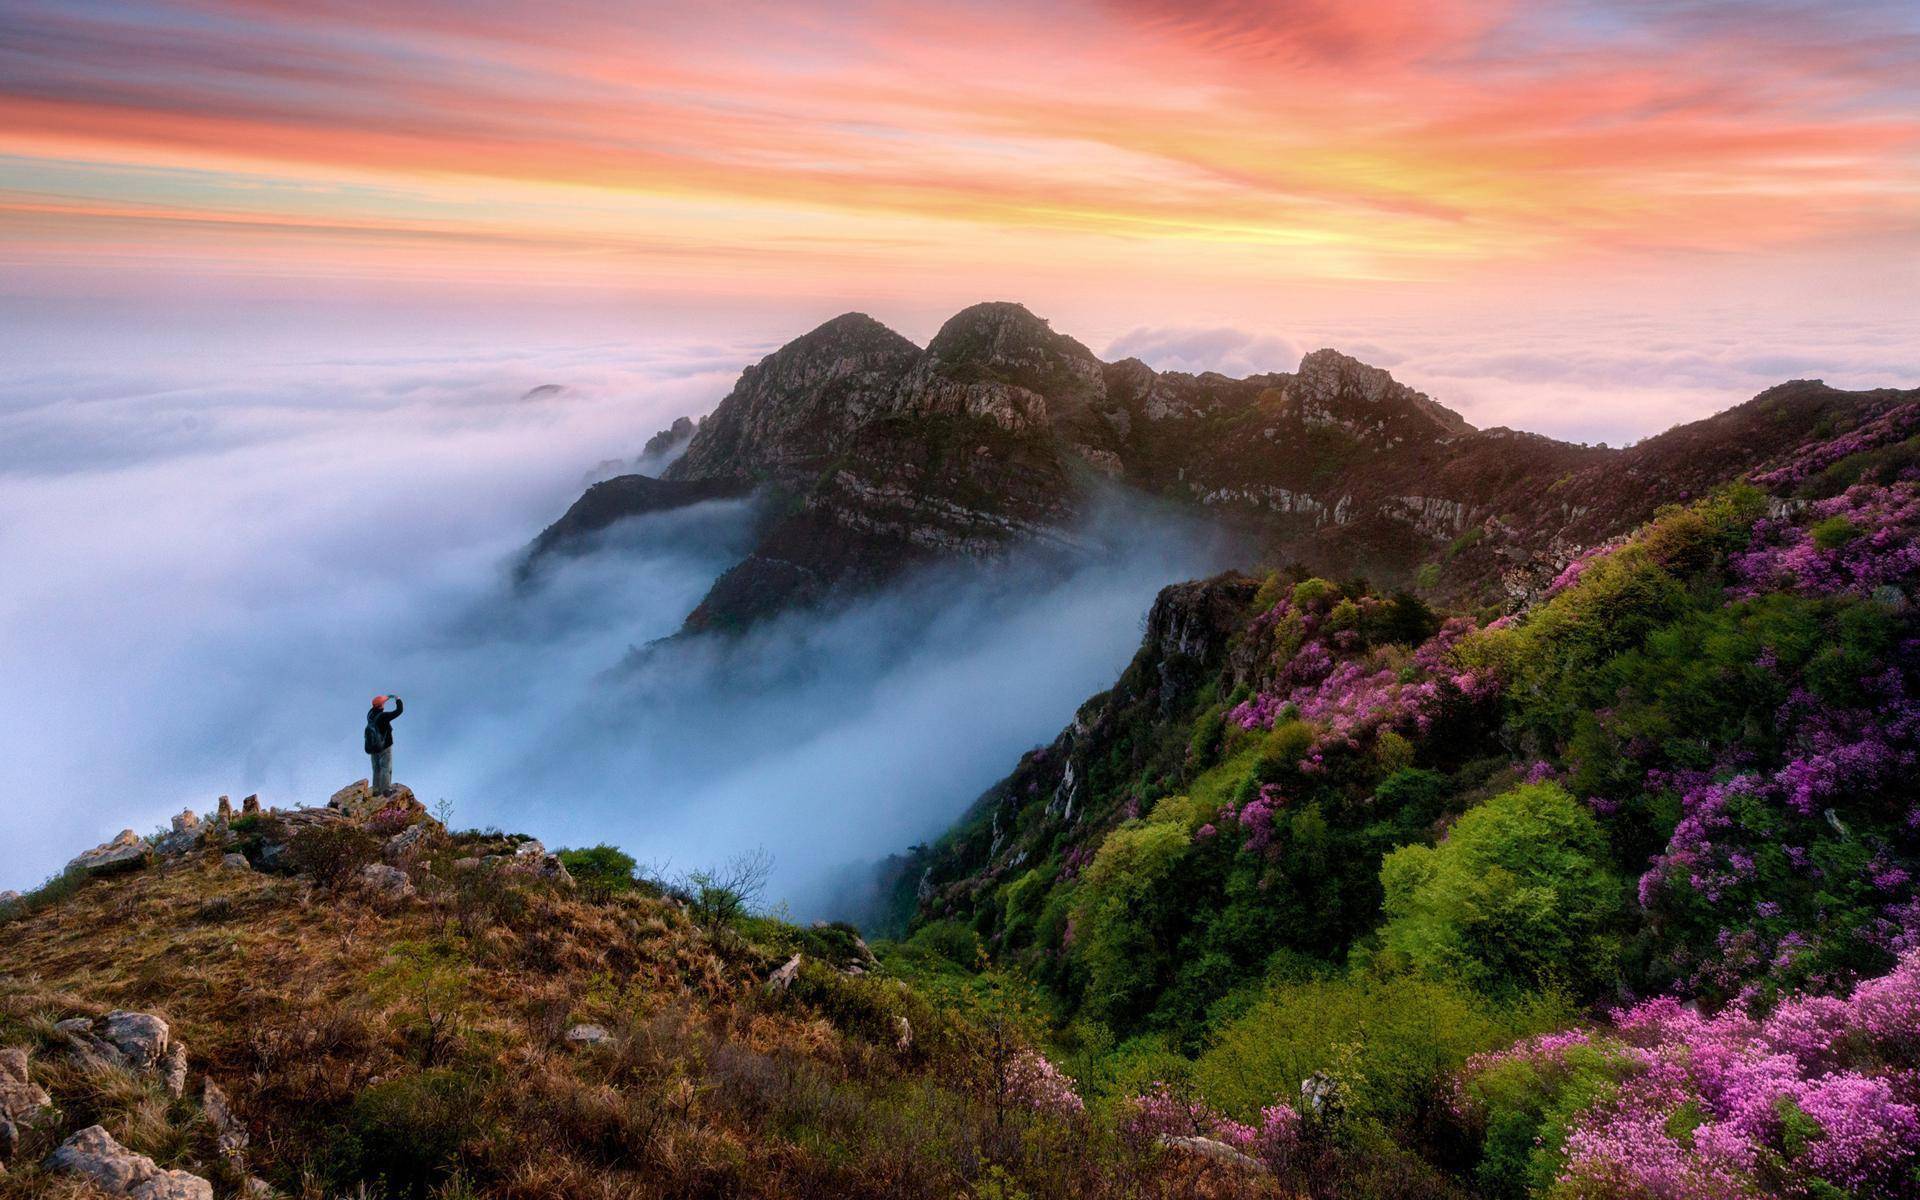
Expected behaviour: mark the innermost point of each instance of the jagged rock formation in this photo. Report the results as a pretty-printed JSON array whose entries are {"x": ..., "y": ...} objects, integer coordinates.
[
  {"x": 879, "y": 455},
  {"x": 668, "y": 440}
]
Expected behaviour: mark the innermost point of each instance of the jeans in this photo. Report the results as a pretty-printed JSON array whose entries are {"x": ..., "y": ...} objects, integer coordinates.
[{"x": 383, "y": 771}]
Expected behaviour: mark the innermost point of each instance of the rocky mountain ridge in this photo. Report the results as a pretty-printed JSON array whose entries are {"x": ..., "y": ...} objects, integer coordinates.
[{"x": 877, "y": 454}]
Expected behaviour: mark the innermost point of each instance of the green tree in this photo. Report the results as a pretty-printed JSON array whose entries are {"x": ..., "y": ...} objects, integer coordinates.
[{"x": 1518, "y": 896}]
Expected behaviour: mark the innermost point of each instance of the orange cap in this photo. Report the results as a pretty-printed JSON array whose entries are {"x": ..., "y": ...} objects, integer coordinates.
[{"x": 379, "y": 701}]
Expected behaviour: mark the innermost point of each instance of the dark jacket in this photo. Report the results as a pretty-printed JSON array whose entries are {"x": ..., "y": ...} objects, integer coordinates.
[{"x": 380, "y": 726}]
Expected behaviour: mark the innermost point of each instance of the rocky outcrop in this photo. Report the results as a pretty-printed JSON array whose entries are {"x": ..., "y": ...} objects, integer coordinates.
[
  {"x": 669, "y": 440},
  {"x": 129, "y": 1041},
  {"x": 186, "y": 834},
  {"x": 529, "y": 859},
  {"x": 390, "y": 883},
  {"x": 23, "y": 1103},
  {"x": 127, "y": 852},
  {"x": 1212, "y": 1150},
  {"x": 784, "y": 976},
  {"x": 118, "y": 1171}
]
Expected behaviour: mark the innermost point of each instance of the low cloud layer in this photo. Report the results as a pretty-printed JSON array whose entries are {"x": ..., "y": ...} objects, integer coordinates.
[
  {"x": 1592, "y": 378},
  {"x": 219, "y": 572}
]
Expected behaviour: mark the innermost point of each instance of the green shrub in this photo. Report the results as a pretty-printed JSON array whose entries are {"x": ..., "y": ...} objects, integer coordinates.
[
  {"x": 601, "y": 871},
  {"x": 411, "y": 1133},
  {"x": 1400, "y": 1038},
  {"x": 951, "y": 941},
  {"x": 1123, "y": 902},
  {"x": 1518, "y": 896},
  {"x": 331, "y": 854}
]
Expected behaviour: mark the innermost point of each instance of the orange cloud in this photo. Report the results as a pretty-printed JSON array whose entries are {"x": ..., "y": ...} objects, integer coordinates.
[{"x": 1306, "y": 138}]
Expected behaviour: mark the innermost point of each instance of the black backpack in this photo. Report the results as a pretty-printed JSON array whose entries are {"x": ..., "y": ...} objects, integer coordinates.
[{"x": 378, "y": 738}]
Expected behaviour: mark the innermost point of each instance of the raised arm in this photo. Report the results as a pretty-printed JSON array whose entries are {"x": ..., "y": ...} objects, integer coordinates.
[{"x": 399, "y": 706}]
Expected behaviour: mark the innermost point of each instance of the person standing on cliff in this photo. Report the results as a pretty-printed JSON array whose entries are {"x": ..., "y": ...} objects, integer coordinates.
[{"x": 379, "y": 741}]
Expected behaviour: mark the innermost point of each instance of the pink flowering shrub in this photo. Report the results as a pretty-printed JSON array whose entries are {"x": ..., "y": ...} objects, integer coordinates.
[
  {"x": 1821, "y": 1097},
  {"x": 1033, "y": 1081},
  {"x": 1810, "y": 460},
  {"x": 1161, "y": 1113},
  {"x": 1386, "y": 687}
]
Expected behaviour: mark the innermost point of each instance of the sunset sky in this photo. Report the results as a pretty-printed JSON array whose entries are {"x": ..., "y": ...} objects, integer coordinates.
[{"x": 1266, "y": 167}]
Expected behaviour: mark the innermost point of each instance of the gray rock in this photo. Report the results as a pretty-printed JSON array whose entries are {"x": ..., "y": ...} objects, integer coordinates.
[
  {"x": 141, "y": 1038},
  {"x": 223, "y": 815},
  {"x": 588, "y": 1035},
  {"x": 229, "y": 1134},
  {"x": 235, "y": 861},
  {"x": 530, "y": 859},
  {"x": 409, "y": 842},
  {"x": 188, "y": 832},
  {"x": 173, "y": 1185},
  {"x": 250, "y": 807},
  {"x": 22, "y": 1102},
  {"x": 1208, "y": 1148},
  {"x": 783, "y": 978},
  {"x": 389, "y": 882},
  {"x": 93, "y": 1153},
  {"x": 127, "y": 852},
  {"x": 8, "y": 896},
  {"x": 173, "y": 1068}
]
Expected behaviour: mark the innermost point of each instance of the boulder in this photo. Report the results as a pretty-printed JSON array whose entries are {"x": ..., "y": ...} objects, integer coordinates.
[
  {"x": 173, "y": 1185},
  {"x": 22, "y": 1102},
  {"x": 236, "y": 861},
  {"x": 783, "y": 978},
  {"x": 141, "y": 1038},
  {"x": 1216, "y": 1151},
  {"x": 129, "y": 1041},
  {"x": 112, "y": 1167},
  {"x": 250, "y": 807},
  {"x": 531, "y": 859},
  {"x": 356, "y": 793},
  {"x": 8, "y": 896},
  {"x": 358, "y": 799},
  {"x": 127, "y": 852},
  {"x": 188, "y": 831},
  {"x": 411, "y": 841},
  {"x": 223, "y": 815},
  {"x": 387, "y": 881},
  {"x": 588, "y": 1035}
]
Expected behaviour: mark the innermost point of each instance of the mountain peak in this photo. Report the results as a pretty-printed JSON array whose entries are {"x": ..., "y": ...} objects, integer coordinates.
[
  {"x": 1001, "y": 330},
  {"x": 1329, "y": 378}
]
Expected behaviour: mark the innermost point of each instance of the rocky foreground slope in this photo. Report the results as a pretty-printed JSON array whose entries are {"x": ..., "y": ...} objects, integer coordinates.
[
  {"x": 874, "y": 454},
  {"x": 351, "y": 1000}
]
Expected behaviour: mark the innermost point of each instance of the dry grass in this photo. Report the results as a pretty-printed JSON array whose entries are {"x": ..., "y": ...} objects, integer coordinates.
[{"x": 417, "y": 1049}]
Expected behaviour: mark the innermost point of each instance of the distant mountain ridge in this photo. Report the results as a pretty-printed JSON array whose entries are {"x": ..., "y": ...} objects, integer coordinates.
[{"x": 877, "y": 454}]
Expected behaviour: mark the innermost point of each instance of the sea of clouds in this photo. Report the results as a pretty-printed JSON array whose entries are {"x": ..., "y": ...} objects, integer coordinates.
[{"x": 212, "y": 565}]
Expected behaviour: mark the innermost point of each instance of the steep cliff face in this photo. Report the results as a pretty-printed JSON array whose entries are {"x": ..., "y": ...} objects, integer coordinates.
[{"x": 877, "y": 454}]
